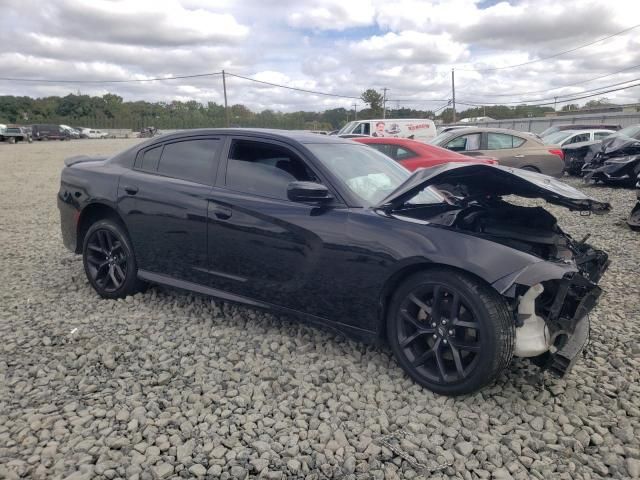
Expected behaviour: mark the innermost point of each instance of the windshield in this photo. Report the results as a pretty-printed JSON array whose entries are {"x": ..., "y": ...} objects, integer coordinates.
[
  {"x": 347, "y": 128},
  {"x": 440, "y": 139},
  {"x": 366, "y": 172},
  {"x": 557, "y": 137}
]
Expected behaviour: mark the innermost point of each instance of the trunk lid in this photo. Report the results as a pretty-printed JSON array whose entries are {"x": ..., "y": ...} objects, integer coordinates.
[{"x": 483, "y": 180}]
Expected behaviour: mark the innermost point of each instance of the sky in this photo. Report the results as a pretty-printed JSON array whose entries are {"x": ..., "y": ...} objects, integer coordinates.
[{"x": 337, "y": 46}]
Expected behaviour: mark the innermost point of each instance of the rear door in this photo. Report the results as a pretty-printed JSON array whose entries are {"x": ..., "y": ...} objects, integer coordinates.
[
  {"x": 507, "y": 149},
  {"x": 264, "y": 246},
  {"x": 164, "y": 200}
]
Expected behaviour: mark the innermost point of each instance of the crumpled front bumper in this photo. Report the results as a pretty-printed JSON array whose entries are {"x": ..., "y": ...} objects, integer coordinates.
[
  {"x": 568, "y": 320},
  {"x": 610, "y": 170}
]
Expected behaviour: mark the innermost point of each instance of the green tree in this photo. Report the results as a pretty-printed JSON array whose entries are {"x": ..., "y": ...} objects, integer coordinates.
[{"x": 373, "y": 99}]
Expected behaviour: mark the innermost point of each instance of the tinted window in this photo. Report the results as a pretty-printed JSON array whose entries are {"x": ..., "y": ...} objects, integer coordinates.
[
  {"x": 388, "y": 150},
  {"x": 404, "y": 153},
  {"x": 465, "y": 143},
  {"x": 264, "y": 169},
  {"x": 362, "y": 129},
  {"x": 150, "y": 159},
  {"x": 189, "y": 160}
]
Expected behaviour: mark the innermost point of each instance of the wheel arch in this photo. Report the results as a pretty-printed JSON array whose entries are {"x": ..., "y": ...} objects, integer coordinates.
[
  {"x": 91, "y": 214},
  {"x": 395, "y": 280}
]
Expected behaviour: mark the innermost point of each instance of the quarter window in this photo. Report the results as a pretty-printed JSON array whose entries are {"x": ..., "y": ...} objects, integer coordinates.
[
  {"x": 191, "y": 160},
  {"x": 404, "y": 154},
  {"x": 150, "y": 159},
  {"x": 264, "y": 169}
]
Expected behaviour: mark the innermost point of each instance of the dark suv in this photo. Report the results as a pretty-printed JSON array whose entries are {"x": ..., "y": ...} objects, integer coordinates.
[{"x": 49, "y": 132}]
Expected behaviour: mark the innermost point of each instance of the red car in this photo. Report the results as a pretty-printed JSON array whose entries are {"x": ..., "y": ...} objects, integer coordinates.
[{"x": 412, "y": 154}]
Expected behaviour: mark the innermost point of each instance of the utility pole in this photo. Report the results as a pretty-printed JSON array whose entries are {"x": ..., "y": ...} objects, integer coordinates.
[
  {"x": 555, "y": 101},
  {"x": 355, "y": 111},
  {"x": 226, "y": 107},
  {"x": 453, "y": 95},
  {"x": 384, "y": 102}
]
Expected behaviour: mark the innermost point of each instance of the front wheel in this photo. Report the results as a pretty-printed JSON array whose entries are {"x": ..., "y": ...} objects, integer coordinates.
[
  {"x": 451, "y": 333},
  {"x": 109, "y": 261}
]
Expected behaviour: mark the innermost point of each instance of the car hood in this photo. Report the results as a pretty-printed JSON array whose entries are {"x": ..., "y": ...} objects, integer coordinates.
[{"x": 483, "y": 180}]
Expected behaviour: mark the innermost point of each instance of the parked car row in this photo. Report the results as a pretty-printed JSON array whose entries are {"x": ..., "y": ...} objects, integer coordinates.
[{"x": 47, "y": 131}]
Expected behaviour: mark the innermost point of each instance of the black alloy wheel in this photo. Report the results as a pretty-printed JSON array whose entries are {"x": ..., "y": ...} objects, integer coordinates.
[
  {"x": 109, "y": 261},
  {"x": 449, "y": 332}
]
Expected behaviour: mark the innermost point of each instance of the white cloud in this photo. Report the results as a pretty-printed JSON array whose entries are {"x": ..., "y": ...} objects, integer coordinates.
[
  {"x": 332, "y": 14},
  {"x": 345, "y": 47}
]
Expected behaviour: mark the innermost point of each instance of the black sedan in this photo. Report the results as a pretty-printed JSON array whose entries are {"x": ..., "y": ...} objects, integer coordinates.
[{"x": 437, "y": 263}]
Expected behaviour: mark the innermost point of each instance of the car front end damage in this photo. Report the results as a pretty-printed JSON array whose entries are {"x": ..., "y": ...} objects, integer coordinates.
[
  {"x": 551, "y": 297},
  {"x": 552, "y": 315}
]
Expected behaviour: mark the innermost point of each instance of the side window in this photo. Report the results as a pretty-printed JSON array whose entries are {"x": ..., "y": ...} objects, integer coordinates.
[
  {"x": 404, "y": 154},
  {"x": 583, "y": 137},
  {"x": 465, "y": 143},
  {"x": 191, "y": 160},
  {"x": 499, "y": 141},
  {"x": 149, "y": 160},
  {"x": 601, "y": 135},
  {"x": 387, "y": 149},
  {"x": 264, "y": 169},
  {"x": 362, "y": 129}
]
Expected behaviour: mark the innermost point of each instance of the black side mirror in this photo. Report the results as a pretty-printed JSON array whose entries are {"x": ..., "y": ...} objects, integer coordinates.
[{"x": 308, "y": 192}]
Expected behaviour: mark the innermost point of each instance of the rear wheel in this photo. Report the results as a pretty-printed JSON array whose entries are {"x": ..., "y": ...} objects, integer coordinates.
[
  {"x": 12, "y": 140},
  {"x": 109, "y": 262},
  {"x": 449, "y": 332}
]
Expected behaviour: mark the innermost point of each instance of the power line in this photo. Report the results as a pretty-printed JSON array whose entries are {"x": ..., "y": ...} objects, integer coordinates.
[
  {"x": 559, "y": 96},
  {"x": 561, "y": 101},
  {"x": 315, "y": 92},
  {"x": 550, "y": 56},
  {"x": 555, "y": 88},
  {"x": 46, "y": 80}
]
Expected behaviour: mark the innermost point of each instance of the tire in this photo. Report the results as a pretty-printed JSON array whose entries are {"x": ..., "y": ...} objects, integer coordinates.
[
  {"x": 458, "y": 355},
  {"x": 109, "y": 261},
  {"x": 12, "y": 140}
]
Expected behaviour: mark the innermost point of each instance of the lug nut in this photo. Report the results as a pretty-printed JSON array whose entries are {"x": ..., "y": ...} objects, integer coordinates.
[
  {"x": 444, "y": 322},
  {"x": 433, "y": 324},
  {"x": 444, "y": 341},
  {"x": 450, "y": 332},
  {"x": 435, "y": 336}
]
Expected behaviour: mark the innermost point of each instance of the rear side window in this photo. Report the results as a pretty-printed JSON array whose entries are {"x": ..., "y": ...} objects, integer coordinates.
[
  {"x": 191, "y": 160},
  {"x": 404, "y": 154},
  {"x": 150, "y": 159},
  {"x": 388, "y": 150},
  {"x": 264, "y": 169},
  {"x": 499, "y": 141}
]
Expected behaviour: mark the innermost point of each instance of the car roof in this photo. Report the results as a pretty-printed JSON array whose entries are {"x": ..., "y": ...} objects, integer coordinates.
[
  {"x": 423, "y": 149},
  {"x": 299, "y": 136},
  {"x": 490, "y": 130}
]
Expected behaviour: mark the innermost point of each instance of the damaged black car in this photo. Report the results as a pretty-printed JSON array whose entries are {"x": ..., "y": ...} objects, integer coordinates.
[
  {"x": 447, "y": 265},
  {"x": 616, "y": 160},
  {"x": 577, "y": 154}
]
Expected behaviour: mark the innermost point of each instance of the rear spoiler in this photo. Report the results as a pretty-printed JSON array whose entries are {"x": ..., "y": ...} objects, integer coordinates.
[{"x": 83, "y": 158}]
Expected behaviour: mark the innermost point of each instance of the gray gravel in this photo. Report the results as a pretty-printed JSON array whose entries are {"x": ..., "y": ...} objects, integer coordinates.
[{"x": 171, "y": 385}]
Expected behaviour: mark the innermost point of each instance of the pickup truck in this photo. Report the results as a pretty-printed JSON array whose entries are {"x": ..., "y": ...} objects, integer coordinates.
[{"x": 16, "y": 134}]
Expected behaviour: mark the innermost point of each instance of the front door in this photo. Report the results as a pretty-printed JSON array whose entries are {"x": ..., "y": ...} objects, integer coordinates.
[
  {"x": 164, "y": 200},
  {"x": 264, "y": 246}
]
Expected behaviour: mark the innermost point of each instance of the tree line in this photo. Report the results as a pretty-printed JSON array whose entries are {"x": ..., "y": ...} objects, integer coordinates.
[{"x": 111, "y": 111}]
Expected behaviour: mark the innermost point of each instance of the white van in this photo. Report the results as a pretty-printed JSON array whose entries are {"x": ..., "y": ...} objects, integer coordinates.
[{"x": 421, "y": 129}]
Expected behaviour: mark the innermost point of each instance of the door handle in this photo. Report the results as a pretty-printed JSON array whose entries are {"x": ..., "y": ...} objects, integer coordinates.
[
  {"x": 130, "y": 189},
  {"x": 223, "y": 213},
  {"x": 518, "y": 156}
]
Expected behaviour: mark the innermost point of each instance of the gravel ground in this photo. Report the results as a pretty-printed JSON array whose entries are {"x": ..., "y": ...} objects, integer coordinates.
[{"x": 166, "y": 384}]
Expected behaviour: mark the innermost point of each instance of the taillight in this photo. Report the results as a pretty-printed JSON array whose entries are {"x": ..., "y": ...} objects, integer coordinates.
[{"x": 557, "y": 151}]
